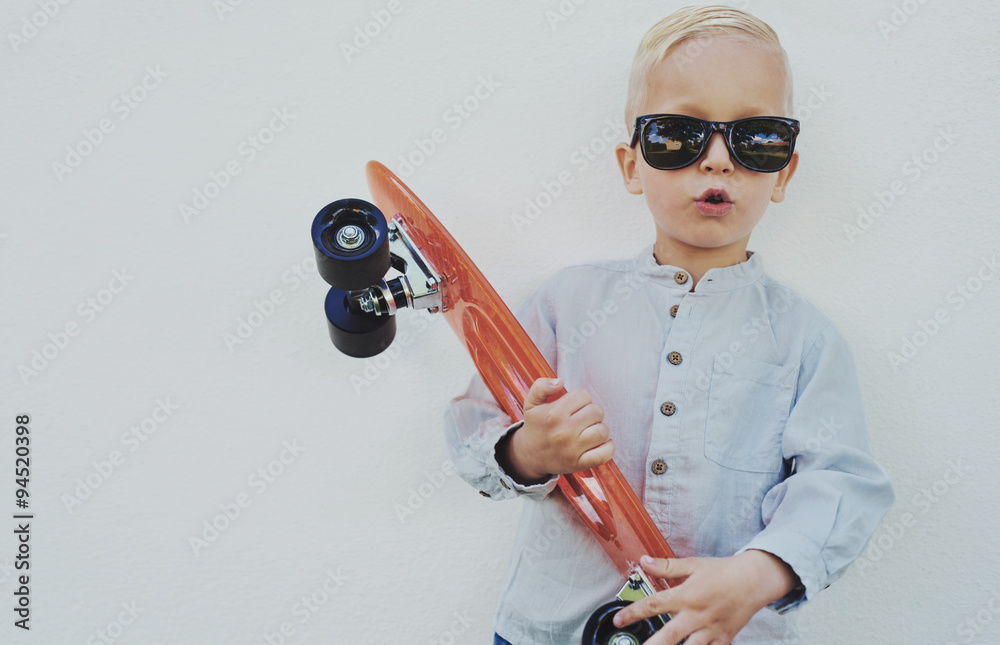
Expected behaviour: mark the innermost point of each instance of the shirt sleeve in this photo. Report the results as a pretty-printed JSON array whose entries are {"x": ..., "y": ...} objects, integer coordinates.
[
  {"x": 474, "y": 423},
  {"x": 820, "y": 518}
]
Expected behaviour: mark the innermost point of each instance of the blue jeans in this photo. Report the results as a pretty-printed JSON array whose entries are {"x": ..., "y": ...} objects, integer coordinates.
[{"x": 498, "y": 640}]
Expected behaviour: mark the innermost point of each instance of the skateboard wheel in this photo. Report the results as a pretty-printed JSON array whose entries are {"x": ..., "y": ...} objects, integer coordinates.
[
  {"x": 600, "y": 630},
  {"x": 357, "y": 333},
  {"x": 351, "y": 240}
]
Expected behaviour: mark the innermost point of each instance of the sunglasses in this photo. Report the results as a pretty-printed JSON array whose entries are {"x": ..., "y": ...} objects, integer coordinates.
[{"x": 672, "y": 141}]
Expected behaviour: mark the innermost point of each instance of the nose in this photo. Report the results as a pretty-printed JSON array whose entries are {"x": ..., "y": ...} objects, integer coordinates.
[{"x": 716, "y": 157}]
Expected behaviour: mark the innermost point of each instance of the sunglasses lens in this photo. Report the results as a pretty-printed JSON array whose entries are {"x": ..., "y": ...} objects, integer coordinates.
[
  {"x": 762, "y": 144},
  {"x": 670, "y": 142}
]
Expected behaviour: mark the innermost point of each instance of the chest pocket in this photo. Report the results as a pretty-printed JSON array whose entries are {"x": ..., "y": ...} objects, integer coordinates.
[{"x": 748, "y": 406}]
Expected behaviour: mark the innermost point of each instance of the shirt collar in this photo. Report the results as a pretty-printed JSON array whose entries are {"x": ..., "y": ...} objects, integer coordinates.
[{"x": 715, "y": 279}]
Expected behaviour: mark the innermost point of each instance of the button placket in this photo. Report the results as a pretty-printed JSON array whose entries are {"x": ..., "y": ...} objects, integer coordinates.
[{"x": 680, "y": 333}]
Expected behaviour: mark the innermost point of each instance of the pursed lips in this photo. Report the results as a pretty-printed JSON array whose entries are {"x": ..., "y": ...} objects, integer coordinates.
[{"x": 714, "y": 201}]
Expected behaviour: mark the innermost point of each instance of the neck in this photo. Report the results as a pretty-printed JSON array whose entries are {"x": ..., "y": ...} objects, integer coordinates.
[{"x": 697, "y": 261}]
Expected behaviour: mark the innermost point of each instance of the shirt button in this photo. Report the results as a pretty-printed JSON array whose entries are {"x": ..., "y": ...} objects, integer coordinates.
[
  {"x": 673, "y": 310},
  {"x": 659, "y": 467},
  {"x": 668, "y": 408},
  {"x": 674, "y": 358},
  {"x": 680, "y": 277},
  {"x": 504, "y": 484},
  {"x": 484, "y": 493}
]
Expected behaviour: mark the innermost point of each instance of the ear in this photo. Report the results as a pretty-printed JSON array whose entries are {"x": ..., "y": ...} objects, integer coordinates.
[
  {"x": 784, "y": 176},
  {"x": 628, "y": 163}
]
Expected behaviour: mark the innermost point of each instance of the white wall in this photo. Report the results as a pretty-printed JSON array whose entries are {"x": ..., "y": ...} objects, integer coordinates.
[{"x": 869, "y": 104}]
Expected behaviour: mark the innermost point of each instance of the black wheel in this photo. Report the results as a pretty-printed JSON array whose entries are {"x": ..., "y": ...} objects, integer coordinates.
[
  {"x": 355, "y": 332},
  {"x": 600, "y": 630},
  {"x": 352, "y": 244}
]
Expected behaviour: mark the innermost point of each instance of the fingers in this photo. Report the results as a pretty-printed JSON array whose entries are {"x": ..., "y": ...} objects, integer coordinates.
[
  {"x": 675, "y": 632},
  {"x": 663, "y": 602},
  {"x": 659, "y": 603},
  {"x": 704, "y": 607},
  {"x": 572, "y": 402},
  {"x": 587, "y": 415},
  {"x": 669, "y": 568},
  {"x": 569, "y": 433},
  {"x": 598, "y": 455},
  {"x": 594, "y": 435},
  {"x": 541, "y": 390}
]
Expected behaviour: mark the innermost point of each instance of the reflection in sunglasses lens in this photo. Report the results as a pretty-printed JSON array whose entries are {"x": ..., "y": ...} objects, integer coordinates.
[
  {"x": 670, "y": 143},
  {"x": 762, "y": 144}
]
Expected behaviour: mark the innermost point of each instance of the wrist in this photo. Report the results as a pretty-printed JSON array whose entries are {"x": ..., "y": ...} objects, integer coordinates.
[
  {"x": 774, "y": 578},
  {"x": 509, "y": 454}
]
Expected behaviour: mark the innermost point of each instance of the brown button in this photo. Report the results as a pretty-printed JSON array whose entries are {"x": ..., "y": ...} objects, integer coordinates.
[
  {"x": 668, "y": 408},
  {"x": 484, "y": 493},
  {"x": 504, "y": 484},
  {"x": 680, "y": 277},
  {"x": 674, "y": 358},
  {"x": 673, "y": 310},
  {"x": 659, "y": 467}
]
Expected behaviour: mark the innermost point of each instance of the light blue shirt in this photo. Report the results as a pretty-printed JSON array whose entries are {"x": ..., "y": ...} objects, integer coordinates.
[{"x": 765, "y": 445}]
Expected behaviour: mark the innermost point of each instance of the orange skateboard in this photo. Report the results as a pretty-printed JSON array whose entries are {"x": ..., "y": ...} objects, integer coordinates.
[{"x": 357, "y": 250}]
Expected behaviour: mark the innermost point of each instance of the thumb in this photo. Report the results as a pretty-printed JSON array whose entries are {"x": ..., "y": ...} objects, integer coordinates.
[
  {"x": 669, "y": 568},
  {"x": 541, "y": 390}
]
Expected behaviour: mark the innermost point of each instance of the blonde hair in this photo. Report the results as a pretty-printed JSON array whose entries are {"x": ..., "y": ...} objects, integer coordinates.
[{"x": 687, "y": 24}]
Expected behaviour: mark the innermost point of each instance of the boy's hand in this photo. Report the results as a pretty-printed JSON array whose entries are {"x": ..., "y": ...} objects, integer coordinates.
[
  {"x": 716, "y": 599},
  {"x": 565, "y": 436}
]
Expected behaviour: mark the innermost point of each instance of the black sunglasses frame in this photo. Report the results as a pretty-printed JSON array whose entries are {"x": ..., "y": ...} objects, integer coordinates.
[{"x": 725, "y": 127}]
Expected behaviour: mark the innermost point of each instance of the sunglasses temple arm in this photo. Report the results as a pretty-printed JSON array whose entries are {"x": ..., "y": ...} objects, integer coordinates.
[{"x": 635, "y": 135}]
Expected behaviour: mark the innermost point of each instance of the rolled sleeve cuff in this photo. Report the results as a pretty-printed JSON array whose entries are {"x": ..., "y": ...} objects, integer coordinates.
[
  {"x": 506, "y": 486},
  {"x": 802, "y": 555}
]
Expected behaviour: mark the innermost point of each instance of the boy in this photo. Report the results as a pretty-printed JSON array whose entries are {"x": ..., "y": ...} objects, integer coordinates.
[{"x": 730, "y": 403}]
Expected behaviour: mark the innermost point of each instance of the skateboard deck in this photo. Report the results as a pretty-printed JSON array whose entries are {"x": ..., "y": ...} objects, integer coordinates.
[
  {"x": 509, "y": 363},
  {"x": 358, "y": 249}
]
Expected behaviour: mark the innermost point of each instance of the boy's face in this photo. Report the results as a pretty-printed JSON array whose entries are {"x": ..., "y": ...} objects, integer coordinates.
[{"x": 727, "y": 79}]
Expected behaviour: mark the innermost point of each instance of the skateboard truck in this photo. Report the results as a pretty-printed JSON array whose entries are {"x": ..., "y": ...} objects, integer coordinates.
[
  {"x": 417, "y": 287},
  {"x": 600, "y": 628},
  {"x": 355, "y": 249}
]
